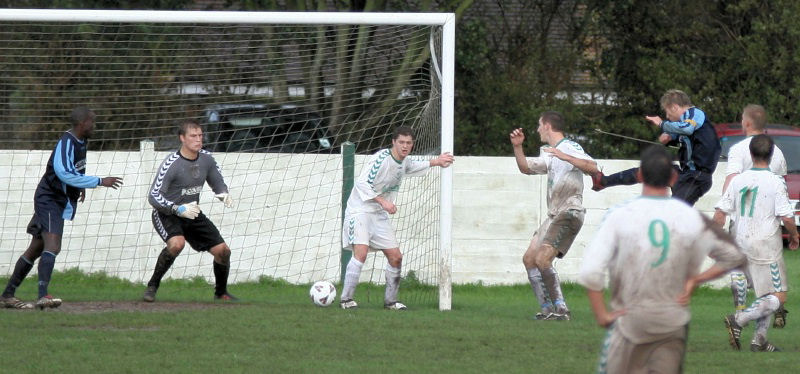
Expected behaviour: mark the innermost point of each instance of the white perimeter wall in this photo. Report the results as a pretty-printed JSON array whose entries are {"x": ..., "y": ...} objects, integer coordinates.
[{"x": 496, "y": 210}]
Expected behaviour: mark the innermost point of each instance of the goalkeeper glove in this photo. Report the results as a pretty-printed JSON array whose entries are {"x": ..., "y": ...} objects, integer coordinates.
[
  {"x": 225, "y": 198},
  {"x": 188, "y": 210}
]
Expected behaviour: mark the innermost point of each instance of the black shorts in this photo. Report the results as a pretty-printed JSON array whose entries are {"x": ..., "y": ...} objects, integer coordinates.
[
  {"x": 691, "y": 185},
  {"x": 48, "y": 216},
  {"x": 200, "y": 232}
]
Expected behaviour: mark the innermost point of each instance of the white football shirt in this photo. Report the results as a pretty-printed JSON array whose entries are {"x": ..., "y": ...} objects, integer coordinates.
[
  {"x": 739, "y": 158},
  {"x": 650, "y": 247},
  {"x": 381, "y": 176},
  {"x": 755, "y": 200},
  {"x": 564, "y": 181}
]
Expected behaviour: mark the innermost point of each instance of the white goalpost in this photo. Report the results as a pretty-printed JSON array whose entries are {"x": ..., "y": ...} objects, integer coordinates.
[{"x": 276, "y": 94}]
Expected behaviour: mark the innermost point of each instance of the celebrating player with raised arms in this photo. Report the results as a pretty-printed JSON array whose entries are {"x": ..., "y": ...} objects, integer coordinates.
[
  {"x": 61, "y": 188},
  {"x": 757, "y": 201},
  {"x": 564, "y": 162},
  {"x": 652, "y": 248},
  {"x": 366, "y": 221},
  {"x": 176, "y": 216}
]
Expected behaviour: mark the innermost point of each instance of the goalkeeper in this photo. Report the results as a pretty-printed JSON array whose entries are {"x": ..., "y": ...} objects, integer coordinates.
[{"x": 176, "y": 216}]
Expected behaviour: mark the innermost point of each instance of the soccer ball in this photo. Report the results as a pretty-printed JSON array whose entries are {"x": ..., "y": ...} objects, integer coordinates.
[{"x": 322, "y": 293}]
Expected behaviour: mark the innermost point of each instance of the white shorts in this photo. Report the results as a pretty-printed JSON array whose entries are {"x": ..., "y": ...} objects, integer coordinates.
[
  {"x": 768, "y": 278},
  {"x": 372, "y": 229}
]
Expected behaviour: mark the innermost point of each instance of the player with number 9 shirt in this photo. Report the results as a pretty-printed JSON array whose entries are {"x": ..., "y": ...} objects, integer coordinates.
[{"x": 653, "y": 247}]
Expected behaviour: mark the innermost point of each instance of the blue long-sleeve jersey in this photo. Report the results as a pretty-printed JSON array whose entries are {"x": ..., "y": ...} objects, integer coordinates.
[
  {"x": 65, "y": 178},
  {"x": 699, "y": 145}
]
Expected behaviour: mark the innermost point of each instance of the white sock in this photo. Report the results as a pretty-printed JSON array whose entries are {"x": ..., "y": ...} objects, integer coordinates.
[
  {"x": 739, "y": 290},
  {"x": 762, "y": 307},
  {"x": 392, "y": 284},
  {"x": 535, "y": 277},
  {"x": 351, "y": 276},
  {"x": 762, "y": 324}
]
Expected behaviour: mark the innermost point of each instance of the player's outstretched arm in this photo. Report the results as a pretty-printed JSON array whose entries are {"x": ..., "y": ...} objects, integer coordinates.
[
  {"x": 586, "y": 166},
  {"x": 444, "y": 160},
  {"x": 113, "y": 182}
]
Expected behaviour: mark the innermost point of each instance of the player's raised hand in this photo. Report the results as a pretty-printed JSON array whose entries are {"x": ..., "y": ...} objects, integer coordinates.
[
  {"x": 189, "y": 210},
  {"x": 655, "y": 120},
  {"x": 444, "y": 160},
  {"x": 113, "y": 182},
  {"x": 517, "y": 137},
  {"x": 225, "y": 198}
]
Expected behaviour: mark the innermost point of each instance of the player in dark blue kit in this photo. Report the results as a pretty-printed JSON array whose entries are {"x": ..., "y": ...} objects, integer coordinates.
[
  {"x": 689, "y": 128},
  {"x": 61, "y": 187}
]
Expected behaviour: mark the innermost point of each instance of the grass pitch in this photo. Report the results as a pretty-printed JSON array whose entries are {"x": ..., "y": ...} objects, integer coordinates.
[{"x": 104, "y": 328}]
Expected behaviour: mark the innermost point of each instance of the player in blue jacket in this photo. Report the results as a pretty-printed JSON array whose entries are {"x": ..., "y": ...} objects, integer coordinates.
[
  {"x": 689, "y": 128},
  {"x": 61, "y": 187}
]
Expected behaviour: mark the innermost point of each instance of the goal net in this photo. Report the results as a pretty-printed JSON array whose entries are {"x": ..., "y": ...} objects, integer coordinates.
[{"x": 277, "y": 95}]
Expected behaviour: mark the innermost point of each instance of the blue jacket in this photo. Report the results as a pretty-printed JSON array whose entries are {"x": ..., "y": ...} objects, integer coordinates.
[{"x": 699, "y": 146}]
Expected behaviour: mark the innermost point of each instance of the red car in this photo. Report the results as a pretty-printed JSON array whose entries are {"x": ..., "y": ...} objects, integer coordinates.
[{"x": 787, "y": 138}]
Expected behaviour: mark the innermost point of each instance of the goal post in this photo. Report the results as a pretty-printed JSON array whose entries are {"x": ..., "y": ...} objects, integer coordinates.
[{"x": 277, "y": 93}]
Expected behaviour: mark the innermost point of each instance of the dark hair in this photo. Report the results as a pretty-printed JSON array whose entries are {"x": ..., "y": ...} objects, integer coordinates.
[
  {"x": 80, "y": 114},
  {"x": 761, "y": 147},
  {"x": 555, "y": 119},
  {"x": 403, "y": 130},
  {"x": 184, "y": 127},
  {"x": 656, "y": 166}
]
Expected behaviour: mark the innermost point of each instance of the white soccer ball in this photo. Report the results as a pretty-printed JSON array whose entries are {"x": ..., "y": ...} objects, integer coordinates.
[{"x": 322, "y": 293}]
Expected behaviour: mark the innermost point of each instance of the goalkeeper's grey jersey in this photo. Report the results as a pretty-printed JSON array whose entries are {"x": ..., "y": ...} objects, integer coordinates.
[{"x": 180, "y": 180}]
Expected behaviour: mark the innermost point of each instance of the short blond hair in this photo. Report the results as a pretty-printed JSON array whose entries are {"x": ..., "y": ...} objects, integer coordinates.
[
  {"x": 675, "y": 97},
  {"x": 757, "y": 114}
]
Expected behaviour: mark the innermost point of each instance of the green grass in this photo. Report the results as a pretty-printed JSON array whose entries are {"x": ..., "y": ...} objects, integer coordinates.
[{"x": 277, "y": 329}]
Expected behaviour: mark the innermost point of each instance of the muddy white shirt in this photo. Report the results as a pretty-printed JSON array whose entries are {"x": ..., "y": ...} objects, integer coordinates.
[
  {"x": 564, "y": 181},
  {"x": 739, "y": 158},
  {"x": 755, "y": 200},
  {"x": 381, "y": 176},
  {"x": 650, "y": 246}
]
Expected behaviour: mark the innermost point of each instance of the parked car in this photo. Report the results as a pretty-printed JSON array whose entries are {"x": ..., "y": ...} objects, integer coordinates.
[
  {"x": 787, "y": 138},
  {"x": 264, "y": 128}
]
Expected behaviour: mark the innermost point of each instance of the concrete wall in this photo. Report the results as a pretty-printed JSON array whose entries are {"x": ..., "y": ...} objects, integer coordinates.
[{"x": 496, "y": 210}]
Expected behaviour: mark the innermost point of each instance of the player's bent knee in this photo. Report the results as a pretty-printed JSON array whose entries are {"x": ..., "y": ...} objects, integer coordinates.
[
  {"x": 781, "y": 296},
  {"x": 529, "y": 260}
]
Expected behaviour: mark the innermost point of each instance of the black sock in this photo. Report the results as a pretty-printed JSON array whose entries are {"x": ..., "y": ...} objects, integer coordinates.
[
  {"x": 21, "y": 270},
  {"x": 221, "y": 274},
  {"x": 46, "y": 264},
  {"x": 165, "y": 260},
  {"x": 625, "y": 177}
]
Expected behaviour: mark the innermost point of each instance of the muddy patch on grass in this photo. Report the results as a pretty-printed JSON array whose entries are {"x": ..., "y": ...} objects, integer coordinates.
[{"x": 132, "y": 306}]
